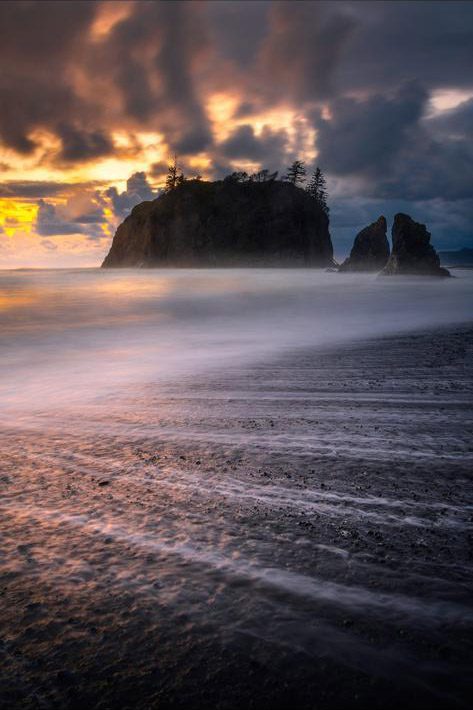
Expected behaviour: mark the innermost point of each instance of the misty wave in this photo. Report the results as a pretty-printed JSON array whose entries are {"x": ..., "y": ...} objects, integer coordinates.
[{"x": 69, "y": 336}]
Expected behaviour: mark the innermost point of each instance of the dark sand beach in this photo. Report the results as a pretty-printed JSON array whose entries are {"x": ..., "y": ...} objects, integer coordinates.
[{"x": 291, "y": 533}]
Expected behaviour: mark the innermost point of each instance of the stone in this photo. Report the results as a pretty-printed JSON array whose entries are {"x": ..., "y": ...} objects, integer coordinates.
[
  {"x": 370, "y": 250},
  {"x": 412, "y": 252}
]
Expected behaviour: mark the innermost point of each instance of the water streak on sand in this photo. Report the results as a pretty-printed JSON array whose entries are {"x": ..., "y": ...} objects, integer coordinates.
[
  {"x": 227, "y": 475},
  {"x": 396, "y": 607}
]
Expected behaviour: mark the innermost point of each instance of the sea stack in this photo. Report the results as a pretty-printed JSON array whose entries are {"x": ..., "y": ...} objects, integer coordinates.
[
  {"x": 370, "y": 250},
  {"x": 225, "y": 223},
  {"x": 412, "y": 252}
]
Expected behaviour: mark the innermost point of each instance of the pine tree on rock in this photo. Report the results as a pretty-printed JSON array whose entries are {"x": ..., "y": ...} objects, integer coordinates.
[
  {"x": 317, "y": 189},
  {"x": 296, "y": 173},
  {"x": 174, "y": 177}
]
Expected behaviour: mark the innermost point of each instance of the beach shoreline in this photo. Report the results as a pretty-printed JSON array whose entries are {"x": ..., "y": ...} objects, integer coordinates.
[{"x": 290, "y": 532}]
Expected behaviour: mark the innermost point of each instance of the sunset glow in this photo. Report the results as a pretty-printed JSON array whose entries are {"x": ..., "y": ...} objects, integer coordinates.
[
  {"x": 16, "y": 216},
  {"x": 236, "y": 354},
  {"x": 125, "y": 86}
]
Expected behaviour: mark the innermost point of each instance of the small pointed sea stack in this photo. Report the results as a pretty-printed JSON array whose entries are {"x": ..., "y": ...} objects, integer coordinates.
[
  {"x": 370, "y": 250},
  {"x": 412, "y": 251}
]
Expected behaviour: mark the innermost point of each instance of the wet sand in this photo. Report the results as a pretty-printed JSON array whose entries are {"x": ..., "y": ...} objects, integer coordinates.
[{"x": 296, "y": 533}]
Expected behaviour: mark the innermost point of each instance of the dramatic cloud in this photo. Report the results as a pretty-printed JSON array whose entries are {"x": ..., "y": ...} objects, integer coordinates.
[
  {"x": 238, "y": 29},
  {"x": 363, "y": 136},
  {"x": 79, "y": 145},
  {"x": 152, "y": 60},
  {"x": 380, "y": 94},
  {"x": 396, "y": 150},
  {"x": 39, "y": 42},
  {"x": 304, "y": 46},
  {"x": 268, "y": 148},
  {"x": 137, "y": 190},
  {"x": 40, "y": 188},
  {"x": 49, "y": 222},
  {"x": 455, "y": 124},
  {"x": 394, "y": 42},
  {"x": 83, "y": 213}
]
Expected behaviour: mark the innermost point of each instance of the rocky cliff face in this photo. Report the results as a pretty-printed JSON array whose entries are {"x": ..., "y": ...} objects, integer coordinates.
[
  {"x": 224, "y": 223},
  {"x": 412, "y": 252},
  {"x": 370, "y": 250}
]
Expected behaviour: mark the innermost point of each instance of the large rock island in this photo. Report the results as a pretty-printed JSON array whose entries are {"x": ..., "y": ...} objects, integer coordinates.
[{"x": 225, "y": 223}]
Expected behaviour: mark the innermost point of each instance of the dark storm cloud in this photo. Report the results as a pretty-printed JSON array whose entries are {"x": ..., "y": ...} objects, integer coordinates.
[
  {"x": 279, "y": 52},
  {"x": 95, "y": 217},
  {"x": 371, "y": 66},
  {"x": 182, "y": 30},
  {"x": 363, "y": 136},
  {"x": 54, "y": 221},
  {"x": 30, "y": 102},
  {"x": 393, "y": 42},
  {"x": 80, "y": 145},
  {"x": 383, "y": 144},
  {"x": 303, "y": 48},
  {"x": 164, "y": 56},
  {"x": 31, "y": 189},
  {"x": 432, "y": 170},
  {"x": 50, "y": 223},
  {"x": 151, "y": 58},
  {"x": 238, "y": 29},
  {"x": 137, "y": 190},
  {"x": 268, "y": 147},
  {"x": 400, "y": 158},
  {"x": 39, "y": 42},
  {"x": 42, "y": 30},
  {"x": 398, "y": 151},
  {"x": 456, "y": 123},
  {"x": 245, "y": 109}
]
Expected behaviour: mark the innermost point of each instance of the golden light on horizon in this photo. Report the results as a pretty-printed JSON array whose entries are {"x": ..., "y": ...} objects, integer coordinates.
[
  {"x": 17, "y": 214},
  {"x": 135, "y": 152}
]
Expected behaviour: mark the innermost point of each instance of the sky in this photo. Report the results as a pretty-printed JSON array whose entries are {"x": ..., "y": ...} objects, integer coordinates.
[{"x": 96, "y": 98}]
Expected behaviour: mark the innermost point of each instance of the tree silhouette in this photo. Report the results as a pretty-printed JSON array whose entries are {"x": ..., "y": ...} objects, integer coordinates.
[
  {"x": 317, "y": 189},
  {"x": 175, "y": 177},
  {"x": 239, "y": 176},
  {"x": 296, "y": 173},
  {"x": 264, "y": 176}
]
